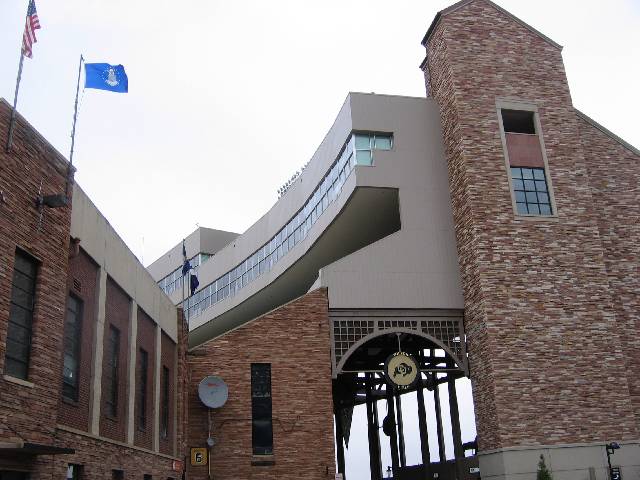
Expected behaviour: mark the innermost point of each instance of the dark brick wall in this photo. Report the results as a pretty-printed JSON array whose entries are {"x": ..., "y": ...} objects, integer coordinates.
[
  {"x": 294, "y": 339},
  {"x": 147, "y": 341},
  {"x": 547, "y": 364},
  {"x": 82, "y": 283},
  {"x": 168, "y": 360},
  {"x": 614, "y": 177},
  {"x": 32, "y": 162},
  {"x": 116, "y": 314}
]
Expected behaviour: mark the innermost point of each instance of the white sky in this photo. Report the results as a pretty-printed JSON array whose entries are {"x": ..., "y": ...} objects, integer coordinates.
[{"x": 228, "y": 99}]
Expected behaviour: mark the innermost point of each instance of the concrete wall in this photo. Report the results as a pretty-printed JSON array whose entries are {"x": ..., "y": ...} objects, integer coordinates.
[
  {"x": 104, "y": 245},
  {"x": 416, "y": 267},
  {"x": 202, "y": 240}
]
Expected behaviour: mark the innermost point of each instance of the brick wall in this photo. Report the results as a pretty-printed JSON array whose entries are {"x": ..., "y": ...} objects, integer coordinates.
[
  {"x": 614, "y": 176},
  {"x": 541, "y": 330},
  {"x": 117, "y": 315},
  {"x": 146, "y": 340},
  {"x": 31, "y": 163},
  {"x": 294, "y": 339},
  {"x": 82, "y": 283},
  {"x": 168, "y": 360}
]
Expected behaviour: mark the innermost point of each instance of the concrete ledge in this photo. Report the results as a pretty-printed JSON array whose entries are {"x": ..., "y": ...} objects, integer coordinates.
[{"x": 566, "y": 462}]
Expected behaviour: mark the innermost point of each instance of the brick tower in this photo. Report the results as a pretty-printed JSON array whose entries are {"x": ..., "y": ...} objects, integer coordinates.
[{"x": 552, "y": 329}]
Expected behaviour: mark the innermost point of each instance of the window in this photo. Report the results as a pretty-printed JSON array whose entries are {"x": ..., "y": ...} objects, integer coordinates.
[
  {"x": 23, "y": 289},
  {"x": 117, "y": 474},
  {"x": 366, "y": 143},
  {"x": 74, "y": 472},
  {"x": 518, "y": 121},
  {"x": 143, "y": 370},
  {"x": 111, "y": 373},
  {"x": 530, "y": 189},
  {"x": 524, "y": 152},
  {"x": 261, "y": 419},
  {"x": 164, "y": 419},
  {"x": 147, "y": 476},
  {"x": 71, "y": 362}
]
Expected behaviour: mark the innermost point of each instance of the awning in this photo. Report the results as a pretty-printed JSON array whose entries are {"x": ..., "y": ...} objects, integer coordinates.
[{"x": 27, "y": 448}]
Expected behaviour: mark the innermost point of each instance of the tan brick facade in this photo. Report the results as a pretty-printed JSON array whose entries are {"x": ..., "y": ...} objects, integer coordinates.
[
  {"x": 547, "y": 360},
  {"x": 294, "y": 339}
]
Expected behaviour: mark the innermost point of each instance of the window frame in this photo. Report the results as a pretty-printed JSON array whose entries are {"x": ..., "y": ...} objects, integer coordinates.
[
  {"x": 258, "y": 402},
  {"x": 113, "y": 364},
  {"x": 11, "y": 333},
  {"x": 77, "y": 344},
  {"x": 165, "y": 416},
  {"x": 516, "y": 104},
  {"x": 143, "y": 383}
]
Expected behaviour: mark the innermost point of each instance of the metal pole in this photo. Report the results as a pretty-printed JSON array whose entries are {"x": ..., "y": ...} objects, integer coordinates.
[
  {"x": 340, "y": 444},
  {"x": 73, "y": 130},
  {"x": 393, "y": 439},
  {"x": 403, "y": 457},
  {"x": 422, "y": 423},
  {"x": 436, "y": 398},
  {"x": 75, "y": 112},
  {"x": 375, "y": 466},
  {"x": 376, "y": 423},
  {"x": 454, "y": 413},
  {"x": 15, "y": 102}
]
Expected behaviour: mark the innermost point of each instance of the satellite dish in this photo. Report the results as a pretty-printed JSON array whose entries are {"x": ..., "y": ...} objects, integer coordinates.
[{"x": 213, "y": 392}]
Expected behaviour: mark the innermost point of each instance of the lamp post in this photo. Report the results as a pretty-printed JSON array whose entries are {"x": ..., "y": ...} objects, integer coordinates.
[{"x": 611, "y": 449}]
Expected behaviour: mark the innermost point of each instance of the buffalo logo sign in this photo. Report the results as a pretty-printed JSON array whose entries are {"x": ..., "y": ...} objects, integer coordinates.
[{"x": 401, "y": 370}]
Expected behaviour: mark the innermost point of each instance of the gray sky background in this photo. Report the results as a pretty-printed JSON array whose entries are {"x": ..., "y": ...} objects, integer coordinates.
[{"x": 228, "y": 99}]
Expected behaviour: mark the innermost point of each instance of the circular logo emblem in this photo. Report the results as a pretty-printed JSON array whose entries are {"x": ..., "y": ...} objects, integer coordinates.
[{"x": 401, "y": 370}]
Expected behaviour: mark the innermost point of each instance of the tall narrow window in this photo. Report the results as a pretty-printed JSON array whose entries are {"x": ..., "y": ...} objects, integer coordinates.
[
  {"x": 111, "y": 372},
  {"x": 71, "y": 364},
  {"x": 164, "y": 427},
  {"x": 525, "y": 155},
  {"x": 21, "y": 316},
  {"x": 262, "y": 423},
  {"x": 143, "y": 366}
]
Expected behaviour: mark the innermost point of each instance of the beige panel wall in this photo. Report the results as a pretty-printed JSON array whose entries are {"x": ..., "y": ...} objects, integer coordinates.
[
  {"x": 102, "y": 243},
  {"x": 416, "y": 267}
]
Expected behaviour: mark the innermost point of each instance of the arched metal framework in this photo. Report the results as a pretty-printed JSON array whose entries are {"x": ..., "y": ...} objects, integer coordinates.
[{"x": 353, "y": 328}]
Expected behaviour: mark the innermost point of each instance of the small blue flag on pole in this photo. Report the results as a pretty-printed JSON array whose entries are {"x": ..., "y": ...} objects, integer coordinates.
[{"x": 106, "y": 77}]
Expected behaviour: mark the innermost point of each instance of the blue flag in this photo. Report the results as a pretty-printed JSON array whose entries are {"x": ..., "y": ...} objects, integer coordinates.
[{"x": 106, "y": 77}]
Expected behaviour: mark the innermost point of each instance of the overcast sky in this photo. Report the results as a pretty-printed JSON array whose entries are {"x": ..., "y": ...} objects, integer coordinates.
[{"x": 228, "y": 99}]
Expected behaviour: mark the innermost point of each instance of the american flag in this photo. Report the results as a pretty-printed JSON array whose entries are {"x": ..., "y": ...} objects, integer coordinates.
[{"x": 31, "y": 25}]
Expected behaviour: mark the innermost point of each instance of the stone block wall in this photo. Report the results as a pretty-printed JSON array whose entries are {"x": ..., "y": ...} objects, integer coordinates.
[
  {"x": 546, "y": 356},
  {"x": 294, "y": 339},
  {"x": 32, "y": 167}
]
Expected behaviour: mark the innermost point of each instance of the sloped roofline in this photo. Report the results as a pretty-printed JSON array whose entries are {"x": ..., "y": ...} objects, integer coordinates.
[
  {"x": 464, "y": 3},
  {"x": 606, "y": 131}
]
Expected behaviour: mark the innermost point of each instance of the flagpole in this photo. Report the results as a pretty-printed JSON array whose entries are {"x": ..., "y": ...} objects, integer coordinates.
[
  {"x": 15, "y": 102},
  {"x": 73, "y": 129}
]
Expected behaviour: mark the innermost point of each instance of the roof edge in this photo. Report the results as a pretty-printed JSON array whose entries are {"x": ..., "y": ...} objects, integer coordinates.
[
  {"x": 58, "y": 160},
  {"x": 606, "y": 131},
  {"x": 464, "y": 3}
]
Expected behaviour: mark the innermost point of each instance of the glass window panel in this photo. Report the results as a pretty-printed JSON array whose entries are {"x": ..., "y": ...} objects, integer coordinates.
[
  {"x": 363, "y": 157},
  {"x": 363, "y": 142},
  {"x": 383, "y": 142},
  {"x": 545, "y": 209},
  {"x": 527, "y": 173},
  {"x": 518, "y": 185},
  {"x": 516, "y": 172},
  {"x": 534, "y": 208},
  {"x": 522, "y": 208},
  {"x": 520, "y": 197},
  {"x": 538, "y": 174},
  {"x": 541, "y": 185},
  {"x": 532, "y": 197},
  {"x": 543, "y": 197},
  {"x": 325, "y": 202},
  {"x": 529, "y": 185}
]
